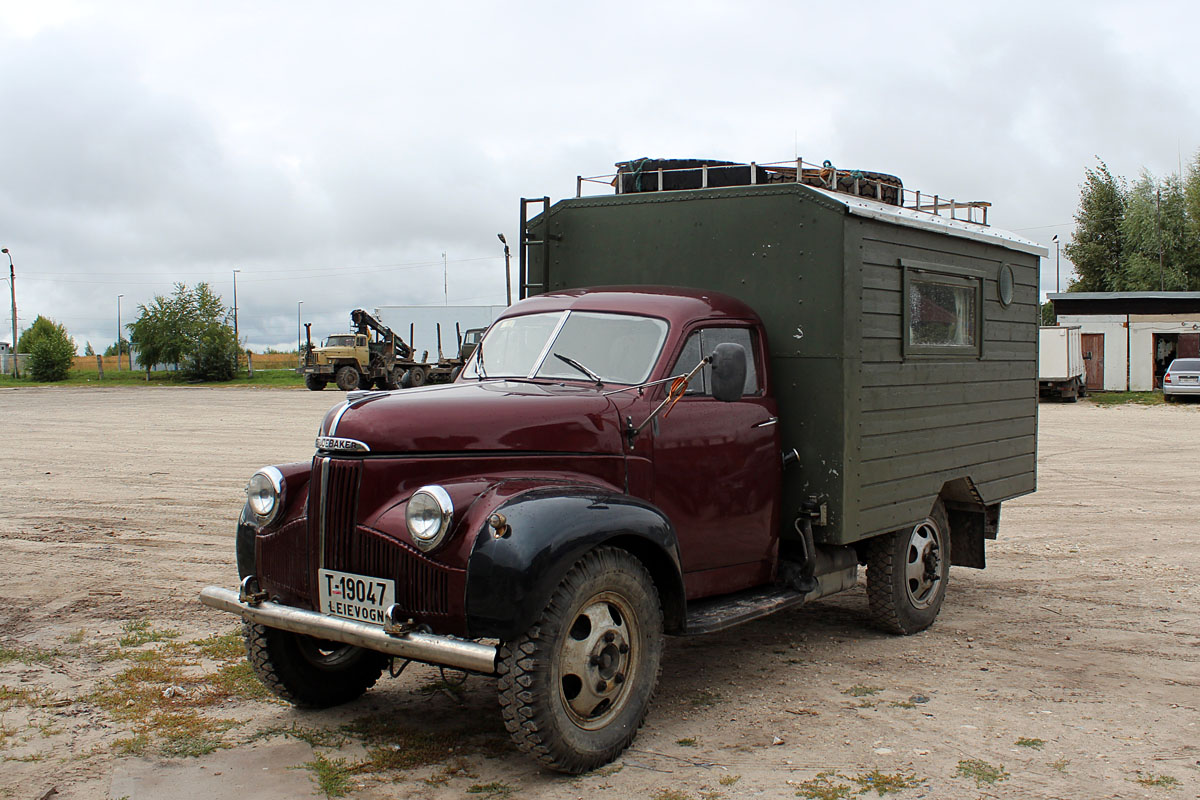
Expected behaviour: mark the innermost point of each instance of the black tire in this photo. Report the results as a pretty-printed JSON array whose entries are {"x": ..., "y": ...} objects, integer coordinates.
[
  {"x": 346, "y": 378},
  {"x": 315, "y": 382},
  {"x": 569, "y": 697},
  {"x": 907, "y": 573},
  {"x": 309, "y": 672},
  {"x": 454, "y": 373},
  {"x": 364, "y": 382},
  {"x": 417, "y": 376}
]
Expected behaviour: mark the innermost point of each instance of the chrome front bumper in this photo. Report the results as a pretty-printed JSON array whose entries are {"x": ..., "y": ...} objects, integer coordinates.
[{"x": 426, "y": 647}]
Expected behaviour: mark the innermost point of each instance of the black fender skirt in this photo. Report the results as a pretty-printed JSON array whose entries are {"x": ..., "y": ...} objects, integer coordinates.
[{"x": 510, "y": 578}]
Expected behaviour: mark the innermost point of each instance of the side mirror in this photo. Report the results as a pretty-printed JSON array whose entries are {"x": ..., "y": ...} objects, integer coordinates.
[{"x": 728, "y": 372}]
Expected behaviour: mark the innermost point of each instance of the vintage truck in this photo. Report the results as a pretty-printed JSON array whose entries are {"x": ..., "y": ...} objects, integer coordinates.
[{"x": 774, "y": 385}]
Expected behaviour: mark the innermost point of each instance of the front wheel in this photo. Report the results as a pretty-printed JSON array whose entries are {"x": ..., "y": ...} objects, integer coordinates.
[
  {"x": 314, "y": 382},
  {"x": 310, "y": 672},
  {"x": 907, "y": 572},
  {"x": 575, "y": 688},
  {"x": 346, "y": 378}
]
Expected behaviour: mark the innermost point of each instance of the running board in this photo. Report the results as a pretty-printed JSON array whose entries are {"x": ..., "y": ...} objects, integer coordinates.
[{"x": 718, "y": 613}]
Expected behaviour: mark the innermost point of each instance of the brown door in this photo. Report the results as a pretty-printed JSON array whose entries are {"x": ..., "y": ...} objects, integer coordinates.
[
  {"x": 1189, "y": 346},
  {"x": 1093, "y": 359}
]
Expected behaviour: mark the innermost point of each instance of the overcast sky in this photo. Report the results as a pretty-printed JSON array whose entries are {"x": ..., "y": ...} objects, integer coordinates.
[{"x": 334, "y": 151}]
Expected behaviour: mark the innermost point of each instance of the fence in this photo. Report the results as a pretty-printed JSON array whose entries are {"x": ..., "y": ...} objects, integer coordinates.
[{"x": 261, "y": 361}]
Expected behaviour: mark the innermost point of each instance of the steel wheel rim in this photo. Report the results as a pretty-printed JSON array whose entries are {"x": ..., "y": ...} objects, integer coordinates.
[
  {"x": 923, "y": 564},
  {"x": 323, "y": 653},
  {"x": 596, "y": 662}
]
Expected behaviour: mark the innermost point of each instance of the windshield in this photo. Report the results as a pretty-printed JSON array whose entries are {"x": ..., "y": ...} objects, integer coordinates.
[
  {"x": 346, "y": 340},
  {"x": 1185, "y": 365},
  {"x": 616, "y": 348}
]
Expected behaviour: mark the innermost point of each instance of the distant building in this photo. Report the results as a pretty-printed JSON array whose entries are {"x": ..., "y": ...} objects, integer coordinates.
[
  {"x": 1129, "y": 338},
  {"x": 5, "y": 347}
]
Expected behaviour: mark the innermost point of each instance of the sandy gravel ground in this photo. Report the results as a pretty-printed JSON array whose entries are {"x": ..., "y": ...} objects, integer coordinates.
[{"x": 1070, "y": 668}]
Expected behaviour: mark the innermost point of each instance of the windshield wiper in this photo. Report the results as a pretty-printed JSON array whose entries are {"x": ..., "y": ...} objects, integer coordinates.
[
  {"x": 580, "y": 367},
  {"x": 480, "y": 370}
]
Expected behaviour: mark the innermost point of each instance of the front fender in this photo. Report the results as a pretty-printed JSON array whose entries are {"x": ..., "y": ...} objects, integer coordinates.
[{"x": 510, "y": 579}]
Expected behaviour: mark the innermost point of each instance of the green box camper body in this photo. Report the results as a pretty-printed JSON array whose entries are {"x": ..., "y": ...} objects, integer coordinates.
[{"x": 882, "y": 423}]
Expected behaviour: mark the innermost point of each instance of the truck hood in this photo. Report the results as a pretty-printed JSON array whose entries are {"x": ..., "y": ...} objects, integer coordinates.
[{"x": 490, "y": 415}]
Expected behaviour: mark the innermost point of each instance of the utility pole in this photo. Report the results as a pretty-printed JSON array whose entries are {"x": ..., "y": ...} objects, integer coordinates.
[
  {"x": 299, "y": 337},
  {"x": 12, "y": 283},
  {"x": 119, "y": 336},
  {"x": 445, "y": 285},
  {"x": 1158, "y": 220},
  {"x": 236, "y": 341}
]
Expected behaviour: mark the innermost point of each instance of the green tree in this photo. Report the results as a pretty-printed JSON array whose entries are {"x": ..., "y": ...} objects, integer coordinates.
[
  {"x": 111, "y": 350},
  {"x": 1096, "y": 245},
  {"x": 1048, "y": 316},
  {"x": 41, "y": 327},
  {"x": 1158, "y": 247},
  {"x": 87, "y": 350},
  {"x": 190, "y": 329},
  {"x": 51, "y": 355}
]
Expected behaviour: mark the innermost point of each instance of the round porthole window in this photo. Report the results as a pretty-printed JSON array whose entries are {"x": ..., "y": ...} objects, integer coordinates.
[{"x": 1005, "y": 283}]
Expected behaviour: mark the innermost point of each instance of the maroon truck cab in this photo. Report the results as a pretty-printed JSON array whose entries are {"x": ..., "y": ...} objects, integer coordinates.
[{"x": 606, "y": 464}]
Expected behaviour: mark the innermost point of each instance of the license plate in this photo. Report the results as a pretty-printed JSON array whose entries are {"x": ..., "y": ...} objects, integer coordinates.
[
  {"x": 1189, "y": 379},
  {"x": 357, "y": 597}
]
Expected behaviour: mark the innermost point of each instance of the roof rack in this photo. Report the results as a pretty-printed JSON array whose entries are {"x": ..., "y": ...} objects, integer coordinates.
[{"x": 656, "y": 175}]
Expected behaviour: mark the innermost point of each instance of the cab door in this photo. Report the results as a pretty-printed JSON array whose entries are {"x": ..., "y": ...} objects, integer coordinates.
[{"x": 717, "y": 470}]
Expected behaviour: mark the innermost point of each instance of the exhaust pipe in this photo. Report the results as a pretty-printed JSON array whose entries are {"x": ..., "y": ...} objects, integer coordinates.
[{"x": 425, "y": 647}]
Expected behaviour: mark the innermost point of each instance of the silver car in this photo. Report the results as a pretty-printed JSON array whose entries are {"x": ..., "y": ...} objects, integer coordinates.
[{"x": 1182, "y": 379}]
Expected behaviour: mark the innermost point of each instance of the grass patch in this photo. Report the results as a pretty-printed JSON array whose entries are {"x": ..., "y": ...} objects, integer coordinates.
[
  {"x": 729, "y": 780},
  {"x": 902, "y": 704},
  {"x": 688, "y": 742},
  {"x": 222, "y": 646},
  {"x": 883, "y": 783},
  {"x": 131, "y": 746},
  {"x": 671, "y": 794},
  {"x": 1126, "y": 398},
  {"x": 27, "y": 655},
  {"x": 238, "y": 680},
  {"x": 1034, "y": 744},
  {"x": 862, "y": 691},
  {"x": 983, "y": 773},
  {"x": 493, "y": 789},
  {"x": 1060, "y": 765},
  {"x": 333, "y": 776},
  {"x": 77, "y": 637},
  {"x": 138, "y": 632},
  {"x": 456, "y": 768},
  {"x": 704, "y": 697},
  {"x": 825, "y": 786},
  {"x": 314, "y": 737},
  {"x": 1158, "y": 781},
  {"x": 90, "y": 377}
]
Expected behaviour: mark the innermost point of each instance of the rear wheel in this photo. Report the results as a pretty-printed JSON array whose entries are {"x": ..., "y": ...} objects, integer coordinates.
[
  {"x": 575, "y": 688},
  {"x": 346, "y": 378},
  {"x": 310, "y": 672},
  {"x": 907, "y": 572},
  {"x": 315, "y": 382}
]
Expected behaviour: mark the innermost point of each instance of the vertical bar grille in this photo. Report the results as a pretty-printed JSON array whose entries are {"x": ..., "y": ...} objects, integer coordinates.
[{"x": 422, "y": 586}]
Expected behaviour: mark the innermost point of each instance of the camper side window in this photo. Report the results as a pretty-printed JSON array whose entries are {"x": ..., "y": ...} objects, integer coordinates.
[{"x": 942, "y": 313}]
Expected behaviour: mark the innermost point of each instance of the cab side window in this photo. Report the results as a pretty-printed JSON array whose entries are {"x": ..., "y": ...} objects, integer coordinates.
[{"x": 701, "y": 343}]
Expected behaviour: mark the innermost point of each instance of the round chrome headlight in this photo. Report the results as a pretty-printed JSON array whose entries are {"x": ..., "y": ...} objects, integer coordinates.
[
  {"x": 428, "y": 516},
  {"x": 264, "y": 495}
]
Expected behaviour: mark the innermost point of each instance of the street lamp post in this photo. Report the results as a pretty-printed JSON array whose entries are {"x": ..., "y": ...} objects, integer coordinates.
[
  {"x": 507, "y": 270},
  {"x": 236, "y": 341},
  {"x": 1057, "y": 271},
  {"x": 119, "y": 336},
  {"x": 12, "y": 283}
]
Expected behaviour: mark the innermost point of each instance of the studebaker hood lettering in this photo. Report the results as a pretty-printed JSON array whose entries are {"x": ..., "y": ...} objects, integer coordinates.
[{"x": 490, "y": 415}]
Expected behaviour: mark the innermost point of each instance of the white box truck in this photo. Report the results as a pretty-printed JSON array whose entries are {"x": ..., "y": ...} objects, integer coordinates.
[{"x": 1061, "y": 372}]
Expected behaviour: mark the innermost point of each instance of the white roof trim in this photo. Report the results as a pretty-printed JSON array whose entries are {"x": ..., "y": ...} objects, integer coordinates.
[{"x": 923, "y": 220}]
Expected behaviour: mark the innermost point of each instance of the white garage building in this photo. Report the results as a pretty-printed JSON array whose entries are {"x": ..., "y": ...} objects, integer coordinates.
[{"x": 1129, "y": 338}]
